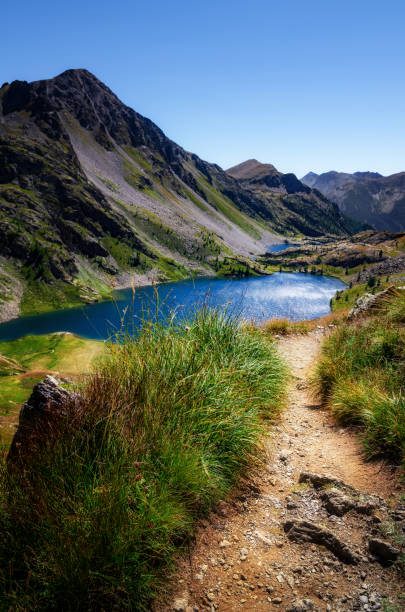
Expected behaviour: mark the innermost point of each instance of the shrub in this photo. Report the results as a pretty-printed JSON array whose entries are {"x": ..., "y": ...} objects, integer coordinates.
[{"x": 168, "y": 421}]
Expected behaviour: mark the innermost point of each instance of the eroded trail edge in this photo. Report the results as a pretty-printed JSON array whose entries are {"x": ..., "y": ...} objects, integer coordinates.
[{"x": 305, "y": 534}]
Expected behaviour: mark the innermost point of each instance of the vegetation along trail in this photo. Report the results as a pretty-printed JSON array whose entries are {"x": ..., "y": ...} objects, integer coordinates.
[{"x": 291, "y": 539}]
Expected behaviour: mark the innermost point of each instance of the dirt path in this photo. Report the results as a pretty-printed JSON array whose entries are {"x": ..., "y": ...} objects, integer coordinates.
[{"x": 246, "y": 557}]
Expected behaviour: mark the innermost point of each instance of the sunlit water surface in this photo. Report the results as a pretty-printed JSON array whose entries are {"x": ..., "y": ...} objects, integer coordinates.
[{"x": 296, "y": 296}]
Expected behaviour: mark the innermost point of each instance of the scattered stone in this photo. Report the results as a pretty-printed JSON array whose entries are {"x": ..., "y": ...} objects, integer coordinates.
[
  {"x": 283, "y": 455},
  {"x": 383, "y": 551},
  {"x": 302, "y": 605},
  {"x": 243, "y": 554},
  {"x": 180, "y": 604},
  {"x": 223, "y": 509},
  {"x": 224, "y": 544},
  {"x": 305, "y": 531},
  {"x": 263, "y": 538}
]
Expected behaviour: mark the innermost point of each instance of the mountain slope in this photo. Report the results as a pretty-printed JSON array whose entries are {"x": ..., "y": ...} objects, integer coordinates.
[
  {"x": 294, "y": 205},
  {"x": 366, "y": 196},
  {"x": 91, "y": 192}
]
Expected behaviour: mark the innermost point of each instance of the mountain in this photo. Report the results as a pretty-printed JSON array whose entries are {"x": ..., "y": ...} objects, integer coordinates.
[
  {"x": 293, "y": 204},
  {"x": 93, "y": 194},
  {"x": 366, "y": 196}
]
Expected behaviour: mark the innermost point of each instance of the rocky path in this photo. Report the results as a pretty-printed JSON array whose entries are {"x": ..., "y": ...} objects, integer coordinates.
[{"x": 293, "y": 540}]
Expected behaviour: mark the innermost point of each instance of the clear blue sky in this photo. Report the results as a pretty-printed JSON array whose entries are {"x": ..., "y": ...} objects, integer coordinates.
[{"x": 305, "y": 85}]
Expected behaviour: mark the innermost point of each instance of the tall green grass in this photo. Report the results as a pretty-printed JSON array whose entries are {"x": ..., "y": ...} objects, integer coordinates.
[
  {"x": 361, "y": 374},
  {"x": 167, "y": 423}
]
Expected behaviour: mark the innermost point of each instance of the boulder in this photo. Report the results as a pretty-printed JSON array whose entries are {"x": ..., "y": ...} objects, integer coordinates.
[{"x": 48, "y": 405}]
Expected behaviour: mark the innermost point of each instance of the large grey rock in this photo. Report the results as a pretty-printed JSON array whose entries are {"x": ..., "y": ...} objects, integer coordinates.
[{"x": 39, "y": 418}]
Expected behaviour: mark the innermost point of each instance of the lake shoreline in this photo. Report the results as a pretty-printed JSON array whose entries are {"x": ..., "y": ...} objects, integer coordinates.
[{"x": 297, "y": 296}]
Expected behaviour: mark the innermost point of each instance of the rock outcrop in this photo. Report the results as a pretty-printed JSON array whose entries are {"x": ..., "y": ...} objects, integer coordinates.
[
  {"x": 40, "y": 418},
  {"x": 370, "y": 301}
]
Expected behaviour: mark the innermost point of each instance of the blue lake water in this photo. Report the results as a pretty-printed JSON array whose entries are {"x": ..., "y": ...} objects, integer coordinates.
[
  {"x": 276, "y": 248},
  {"x": 296, "y": 296}
]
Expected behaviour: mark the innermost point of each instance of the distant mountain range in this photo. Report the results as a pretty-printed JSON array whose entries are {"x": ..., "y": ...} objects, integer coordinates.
[
  {"x": 366, "y": 196},
  {"x": 293, "y": 204},
  {"x": 91, "y": 192}
]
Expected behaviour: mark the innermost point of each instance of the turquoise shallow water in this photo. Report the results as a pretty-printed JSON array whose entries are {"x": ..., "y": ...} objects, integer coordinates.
[{"x": 296, "y": 296}]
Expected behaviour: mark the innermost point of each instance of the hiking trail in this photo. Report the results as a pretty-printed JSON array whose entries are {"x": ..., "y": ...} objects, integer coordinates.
[{"x": 292, "y": 540}]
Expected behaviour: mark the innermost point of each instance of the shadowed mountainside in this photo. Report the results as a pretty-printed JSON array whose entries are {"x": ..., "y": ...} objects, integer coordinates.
[
  {"x": 293, "y": 204},
  {"x": 366, "y": 196}
]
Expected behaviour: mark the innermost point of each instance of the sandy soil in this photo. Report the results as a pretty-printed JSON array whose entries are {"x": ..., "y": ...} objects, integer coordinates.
[{"x": 243, "y": 559}]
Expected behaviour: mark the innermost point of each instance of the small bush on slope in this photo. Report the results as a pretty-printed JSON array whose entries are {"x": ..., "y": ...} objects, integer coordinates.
[
  {"x": 168, "y": 422},
  {"x": 361, "y": 374}
]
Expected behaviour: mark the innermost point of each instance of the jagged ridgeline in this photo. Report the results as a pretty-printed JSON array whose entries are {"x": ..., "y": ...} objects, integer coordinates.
[{"x": 90, "y": 190}]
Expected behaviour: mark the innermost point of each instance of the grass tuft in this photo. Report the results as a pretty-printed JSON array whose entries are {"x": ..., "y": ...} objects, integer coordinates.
[
  {"x": 361, "y": 375},
  {"x": 168, "y": 421}
]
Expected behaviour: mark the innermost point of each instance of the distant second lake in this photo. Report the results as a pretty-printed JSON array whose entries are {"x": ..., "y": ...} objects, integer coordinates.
[
  {"x": 296, "y": 296},
  {"x": 276, "y": 248}
]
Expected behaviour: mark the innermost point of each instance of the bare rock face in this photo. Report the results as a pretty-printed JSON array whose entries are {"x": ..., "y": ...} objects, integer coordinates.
[
  {"x": 305, "y": 531},
  {"x": 383, "y": 551},
  {"x": 40, "y": 416}
]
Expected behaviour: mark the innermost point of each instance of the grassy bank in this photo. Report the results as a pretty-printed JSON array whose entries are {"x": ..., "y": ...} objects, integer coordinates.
[
  {"x": 167, "y": 423},
  {"x": 284, "y": 327},
  {"x": 346, "y": 299},
  {"x": 361, "y": 375}
]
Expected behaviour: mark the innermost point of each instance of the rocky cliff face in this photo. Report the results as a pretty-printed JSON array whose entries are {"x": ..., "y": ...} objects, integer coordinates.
[
  {"x": 366, "y": 196},
  {"x": 92, "y": 192}
]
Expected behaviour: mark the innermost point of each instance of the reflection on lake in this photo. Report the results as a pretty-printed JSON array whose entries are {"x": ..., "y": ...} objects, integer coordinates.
[{"x": 293, "y": 295}]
